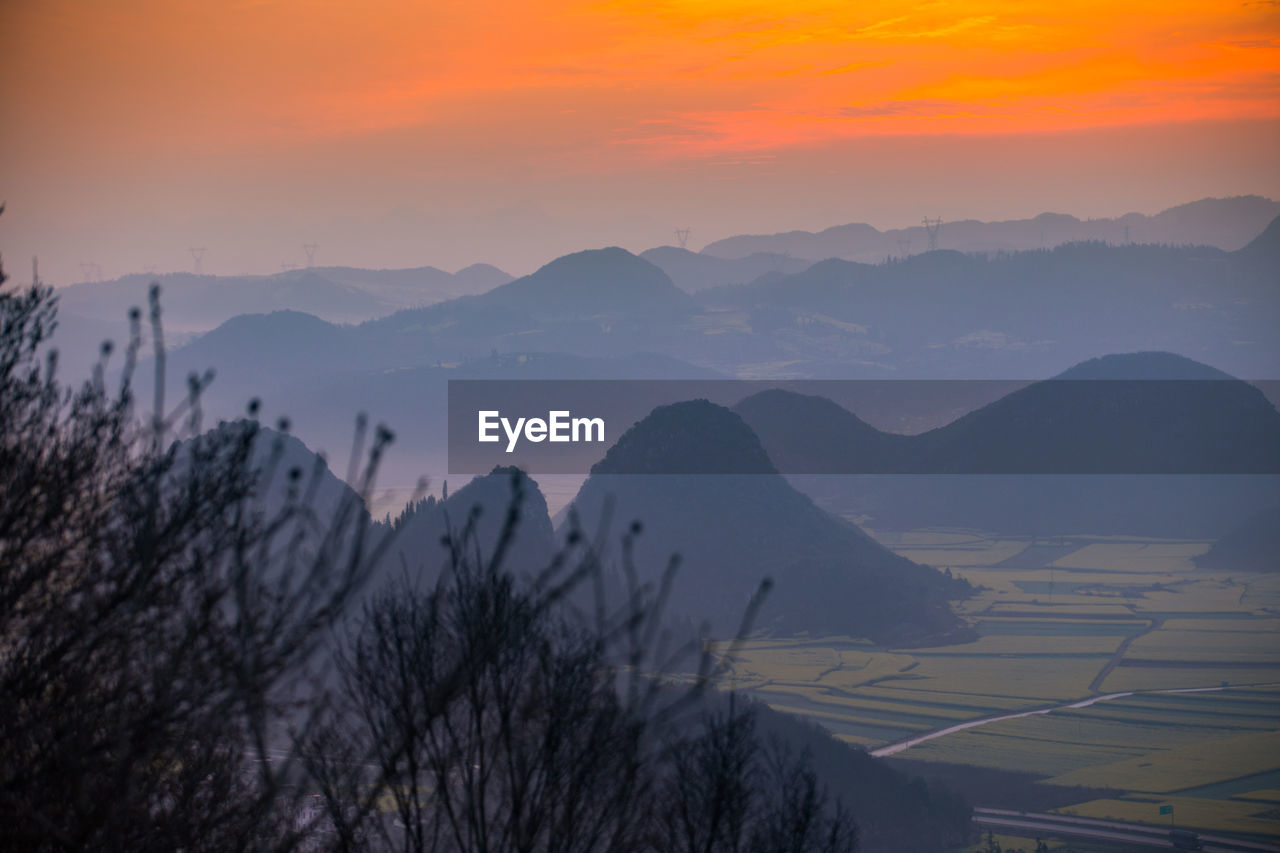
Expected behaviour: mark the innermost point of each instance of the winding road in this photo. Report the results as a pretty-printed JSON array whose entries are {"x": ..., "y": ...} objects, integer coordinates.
[{"x": 914, "y": 740}]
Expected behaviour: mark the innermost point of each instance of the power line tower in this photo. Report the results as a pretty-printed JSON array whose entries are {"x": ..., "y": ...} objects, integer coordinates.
[
  {"x": 933, "y": 227},
  {"x": 682, "y": 235},
  {"x": 197, "y": 255},
  {"x": 310, "y": 249}
]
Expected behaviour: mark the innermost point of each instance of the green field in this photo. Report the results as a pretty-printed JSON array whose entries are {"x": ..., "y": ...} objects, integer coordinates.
[{"x": 1059, "y": 622}]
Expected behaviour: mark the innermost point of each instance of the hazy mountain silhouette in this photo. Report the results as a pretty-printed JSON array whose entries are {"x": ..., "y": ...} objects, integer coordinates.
[
  {"x": 805, "y": 433},
  {"x": 1265, "y": 248},
  {"x": 1225, "y": 223},
  {"x": 1136, "y": 413},
  {"x": 417, "y": 286},
  {"x": 1090, "y": 417},
  {"x": 287, "y": 342},
  {"x": 946, "y": 314},
  {"x": 1150, "y": 413},
  {"x": 732, "y": 531},
  {"x": 1253, "y": 546},
  {"x": 484, "y": 502},
  {"x": 608, "y": 281},
  {"x": 597, "y": 302},
  {"x": 337, "y": 294},
  {"x": 693, "y": 271},
  {"x": 201, "y": 302},
  {"x": 321, "y": 374}
]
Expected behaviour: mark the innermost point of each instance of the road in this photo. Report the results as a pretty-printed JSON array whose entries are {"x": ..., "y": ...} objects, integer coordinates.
[
  {"x": 907, "y": 743},
  {"x": 1134, "y": 835}
]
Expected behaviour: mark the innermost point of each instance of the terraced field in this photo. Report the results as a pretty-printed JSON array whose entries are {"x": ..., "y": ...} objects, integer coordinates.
[{"x": 1062, "y": 622}]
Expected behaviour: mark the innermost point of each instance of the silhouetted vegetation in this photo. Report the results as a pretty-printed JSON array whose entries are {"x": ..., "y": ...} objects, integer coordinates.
[
  {"x": 168, "y": 597},
  {"x": 157, "y": 620}
]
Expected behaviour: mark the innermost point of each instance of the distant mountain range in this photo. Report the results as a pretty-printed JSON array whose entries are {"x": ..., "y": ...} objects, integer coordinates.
[
  {"x": 337, "y": 294},
  {"x": 734, "y": 530},
  {"x": 945, "y": 314},
  {"x": 1216, "y": 440},
  {"x": 1143, "y": 413},
  {"x": 934, "y": 315},
  {"x": 1226, "y": 223},
  {"x": 611, "y": 314},
  {"x": 694, "y": 271}
]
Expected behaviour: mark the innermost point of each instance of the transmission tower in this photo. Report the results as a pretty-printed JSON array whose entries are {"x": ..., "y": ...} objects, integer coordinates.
[
  {"x": 310, "y": 249},
  {"x": 682, "y": 235},
  {"x": 932, "y": 227},
  {"x": 197, "y": 255}
]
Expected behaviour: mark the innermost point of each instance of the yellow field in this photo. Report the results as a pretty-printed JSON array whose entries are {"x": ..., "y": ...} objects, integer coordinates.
[
  {"x": 1186, "y": 766},
  {"x": 1174, "y": 677},
  {"x": 995, "y": 746},
  {"x": 1188, "y": 812},
  {"x": 979, "y": 705},
  {"x": 1024, "y": 645},
  {"x": 1013, "y": 842},
  {"x": 1046, "y": 632},
  {"x": 1234, "y": 646},
  {"x": 1251, "y": 626},
  {"x": 1131, "y": 556},
  {"x": 1036, "y": 680}
]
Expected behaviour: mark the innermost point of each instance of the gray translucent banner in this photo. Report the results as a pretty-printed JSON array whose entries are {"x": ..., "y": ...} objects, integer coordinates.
[{"x": 1066, "y": 426}]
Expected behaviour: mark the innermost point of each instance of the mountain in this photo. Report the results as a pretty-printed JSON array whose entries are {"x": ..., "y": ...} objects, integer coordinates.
[
  {"x": 201, "y": 302},
  {"x": 277, "y": 454},
  {"x": 1265, "y": 248},
  {"x": 946, "y": 314},
  {"x": 418, "y": 544},
  {"x": 195, "y": 303},
  {"x": 1213, "y": 437},
  {"x": 417, "y": 286},
  {"x": 1224, "y": 223},
  {"x": 277, "y": 345},
  {"x": 608, "y": 281},
  {"x": 1253, "y": 546},
  {"x": 1142, "y": 413},
  {"x": 734, "y": 530},
  {"x": 694, "y": 271},
  {"x": 805, "y": 433},
  {"x": 605, "y": 302}
]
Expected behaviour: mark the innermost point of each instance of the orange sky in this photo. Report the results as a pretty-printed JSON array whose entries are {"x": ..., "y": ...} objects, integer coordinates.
[{"x": 118, "y": 115}]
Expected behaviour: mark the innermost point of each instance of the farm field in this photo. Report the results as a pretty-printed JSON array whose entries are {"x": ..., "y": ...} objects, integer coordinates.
[{"x": 1061, "y": 622}]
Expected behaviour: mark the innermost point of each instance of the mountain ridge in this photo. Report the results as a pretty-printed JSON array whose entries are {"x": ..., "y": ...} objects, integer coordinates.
[{"x": 1227, "y": 223}]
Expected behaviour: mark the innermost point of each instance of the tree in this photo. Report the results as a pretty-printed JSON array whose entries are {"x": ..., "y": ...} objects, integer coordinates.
[
  {"x": 485, "y": 714},
  {"x": 158, "y": 618}
]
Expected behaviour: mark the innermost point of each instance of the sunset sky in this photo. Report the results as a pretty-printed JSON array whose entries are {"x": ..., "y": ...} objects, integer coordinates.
[{"x": 445, "y": 133}]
